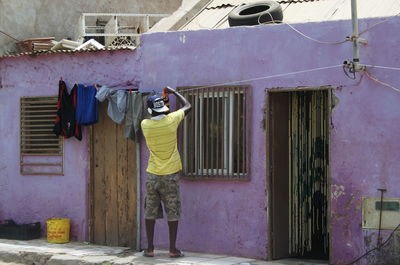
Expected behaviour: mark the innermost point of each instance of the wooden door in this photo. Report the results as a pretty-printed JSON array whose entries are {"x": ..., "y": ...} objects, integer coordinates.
[
  {"x": 113, "y": 184},
  {"x": 279, "y": 159}
]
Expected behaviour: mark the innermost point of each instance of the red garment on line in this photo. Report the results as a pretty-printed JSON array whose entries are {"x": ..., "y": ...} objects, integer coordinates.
[{"x": 65, "y": 124}]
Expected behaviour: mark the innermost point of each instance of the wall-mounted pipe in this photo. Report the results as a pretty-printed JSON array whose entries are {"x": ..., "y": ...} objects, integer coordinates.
[
  {"x": 380, "y": 219},
  {"x": 138, "y": 196},
  {"x": 354, "y": 37}
]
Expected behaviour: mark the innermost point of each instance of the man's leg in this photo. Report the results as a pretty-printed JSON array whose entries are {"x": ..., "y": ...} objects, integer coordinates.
[
  {"x": 150, "y": 224},
  {"x": 172, "y": 204},
  {"x": 152, "y": 211},
  {"x": 173, "y": 231}
]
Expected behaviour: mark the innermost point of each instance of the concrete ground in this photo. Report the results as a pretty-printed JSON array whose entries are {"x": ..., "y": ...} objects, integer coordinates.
[{"x": 40, "y": 252}]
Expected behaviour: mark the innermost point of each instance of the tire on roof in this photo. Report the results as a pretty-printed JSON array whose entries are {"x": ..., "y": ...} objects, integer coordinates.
[{"x": 255, "y": 13}]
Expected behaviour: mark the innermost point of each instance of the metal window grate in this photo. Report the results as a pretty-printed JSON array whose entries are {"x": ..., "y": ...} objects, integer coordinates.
[
  {"x": 215, "y": 133},
  {"x": 41, "y": 151}
]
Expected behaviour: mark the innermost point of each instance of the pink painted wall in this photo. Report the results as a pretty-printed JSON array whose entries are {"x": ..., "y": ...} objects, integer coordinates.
[
  {"x": 225, "y": 217},
  {"x": 231, "y": 217},
  {"x": 36, "y": 198}
]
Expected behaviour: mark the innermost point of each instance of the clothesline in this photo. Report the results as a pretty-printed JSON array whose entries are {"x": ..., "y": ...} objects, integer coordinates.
[{"x": 80, "y": 107}]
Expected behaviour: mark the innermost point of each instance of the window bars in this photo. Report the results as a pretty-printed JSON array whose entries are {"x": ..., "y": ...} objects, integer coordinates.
[
  {"x": 41, "y": 151},
  {"x": 215, "y": 134}
]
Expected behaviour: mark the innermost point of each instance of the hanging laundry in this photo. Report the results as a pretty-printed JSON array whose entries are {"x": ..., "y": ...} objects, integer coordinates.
[
  {"x": 65, "y": 124},
  {"x": 117, "y": 102},
  {"x": 87, "y": 109},
  {"x": 136, "y": 112}
]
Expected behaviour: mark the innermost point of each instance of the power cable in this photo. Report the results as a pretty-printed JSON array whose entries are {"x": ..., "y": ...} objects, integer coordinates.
[
  {"x": 8, "y": 35},
  {"x": 288, "y": 4},
  {"x": 378, "y": 23},
  {"x": 271, "y": 76},
  {"x": 351, "y": 71},
  {"x": 375, "y": 248},
  {"x": 310, "y": 38},
  {"x": 380, "y": 82},
  {"x": 324, "y": 42},
  {"x": 382, "y": 67},
  {"x": 298, "y": 31}
]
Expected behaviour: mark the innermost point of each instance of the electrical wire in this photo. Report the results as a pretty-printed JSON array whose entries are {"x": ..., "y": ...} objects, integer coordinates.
[
  {"x": 315, "y": 40},
  {"x": 375, "y": 248},
  {"x": 318, "y": 41},
  {"x": 380, "y": 82},
  {"x": 8, "y": 35},
  {"x": 271, "y": 76},
  {"x": 288, "y": 4},
  {"x": 378, "y": 23},
  {"x": 383, "y": 67},
  {"x": 350, "y": 72},
  {"x": 298, "y": 31}
]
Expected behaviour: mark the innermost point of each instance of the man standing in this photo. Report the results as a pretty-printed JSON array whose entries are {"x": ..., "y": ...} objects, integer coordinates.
[{"x": 162, "y": 182}]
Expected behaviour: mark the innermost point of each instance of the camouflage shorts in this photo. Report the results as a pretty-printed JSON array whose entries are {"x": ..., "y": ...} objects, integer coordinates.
[{"x": 163, "y": 188}]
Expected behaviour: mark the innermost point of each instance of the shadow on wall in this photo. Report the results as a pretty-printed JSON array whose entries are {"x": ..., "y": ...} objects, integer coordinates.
[{"x": 388, "y": 254}]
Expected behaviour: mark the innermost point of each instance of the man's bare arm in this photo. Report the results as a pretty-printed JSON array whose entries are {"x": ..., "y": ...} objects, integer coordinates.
[{"x": 186, "y": 104}]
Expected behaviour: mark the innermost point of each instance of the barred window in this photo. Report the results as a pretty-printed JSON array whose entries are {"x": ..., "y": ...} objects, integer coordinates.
[
  {"x": 215, "y": 133},
  {"x": 41, "y": 151}
]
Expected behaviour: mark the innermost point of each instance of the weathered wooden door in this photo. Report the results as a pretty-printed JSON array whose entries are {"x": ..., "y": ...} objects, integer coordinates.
[{"x": 113, "y": 184}]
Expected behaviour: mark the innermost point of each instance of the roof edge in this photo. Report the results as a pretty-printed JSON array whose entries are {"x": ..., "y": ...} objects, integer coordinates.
[{"x": 47, "y": 52}]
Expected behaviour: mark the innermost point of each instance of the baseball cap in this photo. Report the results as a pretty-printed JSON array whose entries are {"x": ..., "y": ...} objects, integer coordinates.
[{"x": 156, "y": 103}]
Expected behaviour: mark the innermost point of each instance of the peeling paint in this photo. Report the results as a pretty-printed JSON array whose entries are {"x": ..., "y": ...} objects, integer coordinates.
[
  {"x": 350, "y": 201},
  {"x": 337, "y": 191},
  {"x": 182, "y": 38},
  {"x": 368, "y": 240}
]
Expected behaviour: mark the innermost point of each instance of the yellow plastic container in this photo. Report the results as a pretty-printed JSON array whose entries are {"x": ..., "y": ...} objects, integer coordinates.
[{"x": 58, "y": 230}]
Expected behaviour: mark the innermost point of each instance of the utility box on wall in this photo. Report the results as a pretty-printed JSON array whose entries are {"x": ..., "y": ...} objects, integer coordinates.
[{"x": 371, "y": 208}]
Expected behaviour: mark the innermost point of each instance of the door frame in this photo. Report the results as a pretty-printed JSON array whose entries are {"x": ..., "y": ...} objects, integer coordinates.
[
  {"x": 269, "y": 169},
  {"x": 90, "y": 186}
]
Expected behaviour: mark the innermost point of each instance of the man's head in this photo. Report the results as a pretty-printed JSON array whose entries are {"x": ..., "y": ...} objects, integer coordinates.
[{"x": 156, "y": 106}]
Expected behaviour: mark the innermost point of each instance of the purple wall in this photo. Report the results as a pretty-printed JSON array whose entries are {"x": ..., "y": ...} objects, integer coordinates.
[
  {"x": 231, "y": 217},
  {"x": 225, "y": 217},
  {"x": 36, "y": 198}
]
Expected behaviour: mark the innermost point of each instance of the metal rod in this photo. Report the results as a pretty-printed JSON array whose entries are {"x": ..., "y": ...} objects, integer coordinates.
[
  {"x": 356, "y": 51},
  {"x": 214, "y": 134},
  {"x": 230, "y": 132},
  {"x": 218, "y": 126},
  {"x": 243, "y": 135},
  {"x": 146, "y": 22},
  {"x": 192, "y": 145},
  {"x": 206, "y": 129},
  {"x": 198, "y": 138},
  {"x": 8, "y": 35},
  {"x": 237, "y": 138},
  {"x": 223, "y": 138},
  {"x": 290, "y": 176},
  {"x": 380, "y": 219},
  {"x": 138, "y": 195}
]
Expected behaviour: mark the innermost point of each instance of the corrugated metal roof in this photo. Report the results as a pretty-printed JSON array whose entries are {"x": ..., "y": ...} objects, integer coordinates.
[
  {"x": 222, "y": 3},
  {"x": 36, "y": 53},
  {"x": 215, "y": 13}
]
